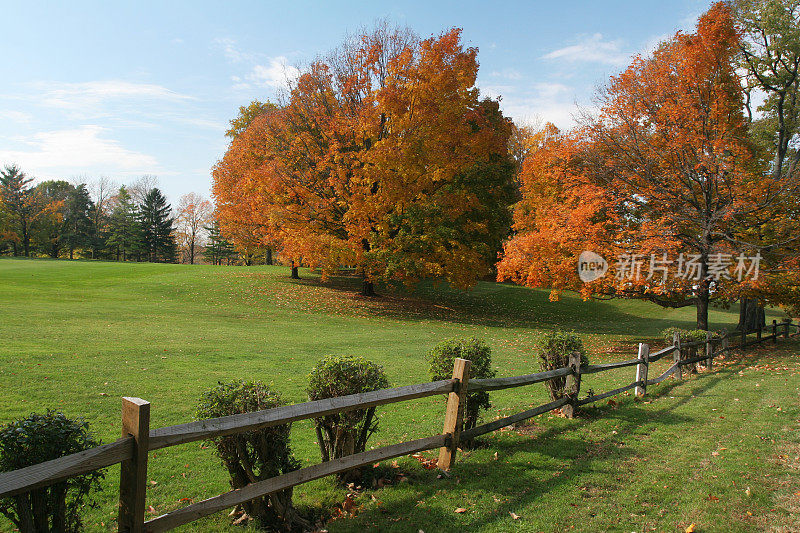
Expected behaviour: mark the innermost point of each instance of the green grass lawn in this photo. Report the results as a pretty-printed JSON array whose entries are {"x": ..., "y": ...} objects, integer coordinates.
[{"x": 77, "y": 336}]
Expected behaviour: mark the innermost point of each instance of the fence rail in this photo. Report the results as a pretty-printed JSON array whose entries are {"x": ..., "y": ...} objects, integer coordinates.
[{"x": 132, "y": 449}]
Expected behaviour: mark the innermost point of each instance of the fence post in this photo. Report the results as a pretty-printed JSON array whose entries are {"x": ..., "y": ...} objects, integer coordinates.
[
  {"x": 573, "y": 385},
  {"x": 454, "y": 416},
  {"x": 133, "y": 472},
  {"x": 641, "y": 369},
  {"x": 676, "y": 355},
  {"x": 709, "y": 351},
  {"x": 786, "y": 322}
]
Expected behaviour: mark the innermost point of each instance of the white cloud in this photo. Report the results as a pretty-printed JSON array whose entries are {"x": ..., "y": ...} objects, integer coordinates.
[
  {"x": 87, "y": 95},
  {"x": 274, "y": 74},
  {"x": 82, "y": 149},
  {"x": 538, "y": 102},
  {"x": 15, "y": 116},
  {"x": 232, "y": 51},
  {"x": 265, "y": 71},
  {"x": 508, "y": 74},
  {"x": 593, "y": 49}
]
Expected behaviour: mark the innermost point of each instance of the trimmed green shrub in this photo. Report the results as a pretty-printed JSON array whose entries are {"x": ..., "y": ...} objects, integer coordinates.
[
  {"x": 343, "y": 434},
  {"x": 553, "y": 351},
  {"x": 442, "y": 358},
  {"x": 35, "y": 439},
  {"x": 255, "y": 455},
  {"x": 687, "y": 335}
]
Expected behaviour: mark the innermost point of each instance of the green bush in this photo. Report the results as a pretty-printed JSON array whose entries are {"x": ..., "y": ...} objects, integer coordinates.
[
  {"x": 35, "y": 439},
  {"x": 343, "y": 434},
  {"x": 441, "y": 359},
  {"x": 554, "y": 350},
  {"x": 255, "y": 455},
  {"x": 687, "y": 335}
]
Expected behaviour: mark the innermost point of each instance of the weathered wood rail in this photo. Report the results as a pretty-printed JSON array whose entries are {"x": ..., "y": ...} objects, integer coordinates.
[{"x": 138, "y": 439}]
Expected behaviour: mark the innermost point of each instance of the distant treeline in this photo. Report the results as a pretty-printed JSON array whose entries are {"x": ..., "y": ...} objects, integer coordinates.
[{"x": 99, "y": 220}]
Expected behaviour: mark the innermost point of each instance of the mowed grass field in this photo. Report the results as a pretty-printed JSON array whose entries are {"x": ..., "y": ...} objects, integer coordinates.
[{"x": 720, "y": 450}]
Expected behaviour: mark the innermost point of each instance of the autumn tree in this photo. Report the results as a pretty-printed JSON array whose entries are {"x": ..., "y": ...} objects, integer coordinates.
[
  {"x": 247, "y": 114},
  {"x": 770, "y": 55},
  {"x": 101, "y": 192},
  {"x": 48, "y": 229},
  {"x": 194, "y": 213},
  {"x": 667, "y": 168},
  {"x": 383, "y": 157}
]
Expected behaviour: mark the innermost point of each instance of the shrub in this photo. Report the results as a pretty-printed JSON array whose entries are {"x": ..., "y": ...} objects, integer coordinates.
[
  {"x": 441, "y": 359},
  {"x": 35, "y": 439},
  {"x": 554, "y": 350},
  {"x": 687, "y": 335},
  {"x": 343, "y": 434},
  {"x": 255, "y": 455}
]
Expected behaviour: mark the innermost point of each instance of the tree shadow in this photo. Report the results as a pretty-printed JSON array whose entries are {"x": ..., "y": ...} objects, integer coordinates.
[{"x": 489, "y": 304}]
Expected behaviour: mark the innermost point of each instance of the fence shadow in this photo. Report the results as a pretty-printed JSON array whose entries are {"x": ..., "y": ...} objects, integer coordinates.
[{"x": 524, "y": 483}]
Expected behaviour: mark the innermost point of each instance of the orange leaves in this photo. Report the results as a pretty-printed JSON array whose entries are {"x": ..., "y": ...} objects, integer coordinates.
[
  {"x": 665, "y": 168},
  {"x": 382, "y": 158}
]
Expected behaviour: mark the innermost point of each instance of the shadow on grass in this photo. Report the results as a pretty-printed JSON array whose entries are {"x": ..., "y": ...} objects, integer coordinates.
[
  {"x": 517, "y": 482},
  {"x": 533, "y": 458},
  {"x": 492, "y": 304}
]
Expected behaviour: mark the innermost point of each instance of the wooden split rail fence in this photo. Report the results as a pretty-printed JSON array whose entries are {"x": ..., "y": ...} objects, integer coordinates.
[{"x": 138, "y": 439}]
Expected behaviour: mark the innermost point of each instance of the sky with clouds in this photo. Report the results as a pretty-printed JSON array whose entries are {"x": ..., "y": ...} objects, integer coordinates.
[{"x": 123, "y": 89}]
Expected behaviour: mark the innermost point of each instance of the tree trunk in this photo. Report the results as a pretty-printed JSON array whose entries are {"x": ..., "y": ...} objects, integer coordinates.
[
  {"x": 268, "y": 258},
  {"x": 702, "y": 307},
  {"x": 295, "y": 274},
  {"x": 191, "y": 251},
  {"x": 751, "y": 315},
  {"x": 367, "y": 288},
  {"x": 26, "y": 239},
  {"x": 71, "y": 251}
]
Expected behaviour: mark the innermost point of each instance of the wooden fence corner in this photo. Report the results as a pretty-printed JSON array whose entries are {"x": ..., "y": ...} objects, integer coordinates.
[{"x": 133, "y": 471}]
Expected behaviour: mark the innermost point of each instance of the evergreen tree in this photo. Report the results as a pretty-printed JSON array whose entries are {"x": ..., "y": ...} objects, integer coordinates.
[
  {"x": 157, "y": 228},
  {"x": 125, "y": 238},
  {"x": 218, "y": 249},
  {"x": 17, "y": 199},
  {"x": 78, "y": 227}
]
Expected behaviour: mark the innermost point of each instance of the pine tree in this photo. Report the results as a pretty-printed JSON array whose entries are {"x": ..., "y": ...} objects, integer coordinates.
[
  {"x": 78, "y": 209},
  {"x": 17, "y": 199},
  {"x": 125, "y": 232},
  {"x": 157, "y": 228},
  {"x": 218, "y": 249}
]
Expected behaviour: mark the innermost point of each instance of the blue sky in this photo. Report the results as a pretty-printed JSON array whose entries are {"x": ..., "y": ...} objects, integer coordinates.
[{"x": 120, "y": 90}]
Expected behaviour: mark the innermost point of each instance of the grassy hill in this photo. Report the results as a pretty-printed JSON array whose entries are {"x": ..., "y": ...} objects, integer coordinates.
[{"x": 77, "y": 336}]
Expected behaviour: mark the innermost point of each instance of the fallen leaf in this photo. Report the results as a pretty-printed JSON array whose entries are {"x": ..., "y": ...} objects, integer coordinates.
[
  {"x": 460, "y": 510},
  {"x": 690, "y": 529},
  {"x": 514, "y": 515}
]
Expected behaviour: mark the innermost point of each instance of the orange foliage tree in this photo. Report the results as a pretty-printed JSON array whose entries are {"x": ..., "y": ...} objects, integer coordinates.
[
  {"x": 194, "y": 213},
  {"x": 665, "y": 179},
  {"x": 383, "y": 157}
]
